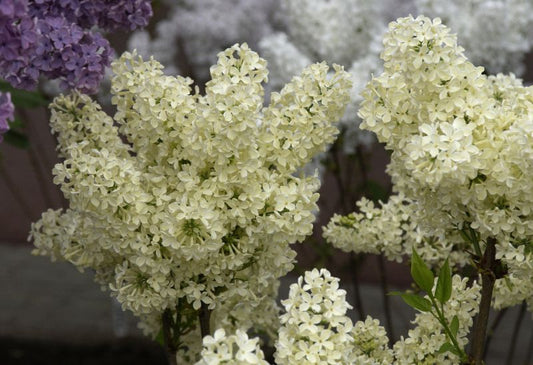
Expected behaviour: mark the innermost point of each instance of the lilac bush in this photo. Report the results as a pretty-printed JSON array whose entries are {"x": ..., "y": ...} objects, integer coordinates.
[{"x": 56, "y": 39}]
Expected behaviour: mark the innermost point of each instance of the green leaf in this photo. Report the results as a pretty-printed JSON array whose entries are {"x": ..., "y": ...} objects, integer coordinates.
[
  {"x": 465, "y": 237},
  {"x": 446, "y": 346},
  {"x": 454, "y": 326},
  {"x": 23, "y": 98},
  {"x": 422, "y": 304},
  {"x": 421, "y": 274},
  {"x": 16, "y": 139},
  {"x": 443, "y": 291},
  {"x": 160, "y": 338}
]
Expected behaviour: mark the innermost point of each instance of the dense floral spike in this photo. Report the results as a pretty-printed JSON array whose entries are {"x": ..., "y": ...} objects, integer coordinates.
[
  {"x": 390, "y": 230},
  {"x": 315, "y": 328},
  {"x": 462, "y": 156},
  {"x": 54, "y": 39},
  {"x": 7, "y": 111},
  {"x": 495, "y": 33},
  {"x": 235, "y": 349},
  {"x": 198, "y": 204},
  {"x": 352, "y": 40}
]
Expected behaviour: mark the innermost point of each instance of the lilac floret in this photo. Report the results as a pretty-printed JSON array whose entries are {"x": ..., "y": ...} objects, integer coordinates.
[{"x": 7, "y": 112}]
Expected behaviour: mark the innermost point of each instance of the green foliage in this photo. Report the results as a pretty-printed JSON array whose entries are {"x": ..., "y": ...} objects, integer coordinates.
[
  {"x": 448, "y": 347},
  {"x": 421, "y": 274},
  {"x": 424, "y": 278},
  {"x": 16, "y": 139},
  {"x": 23, "y": 98},
  {"x": 417, "y": 302},
  {"x": 443, "y": 291}
]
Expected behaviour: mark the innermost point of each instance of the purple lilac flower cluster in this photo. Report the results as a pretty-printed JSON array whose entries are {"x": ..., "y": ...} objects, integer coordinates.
[
  {"x": 7, "y": 111},
  {"x": 107, "y": 14},
  {"x": 53, "y": 38}
]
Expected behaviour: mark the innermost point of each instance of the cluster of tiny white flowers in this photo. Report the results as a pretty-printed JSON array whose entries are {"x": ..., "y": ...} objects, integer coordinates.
[
  {"x": 188, "y": 39},
  {"x": 201, "y": 202},
  {"x": 315, "y": 328},
  {"x": 351, "y": 40},
  {"x": 391, "y": 230},
  {"x": 461, "y": 159},
  {"x": 371, "y": 343},
  {"x": 235, "y": 349},
  {"x": 517, "y": 285},
  {"x": 426, "y": 338},
  {"x": 462, "y": 141},
  {"x": 495, "y": 33}
]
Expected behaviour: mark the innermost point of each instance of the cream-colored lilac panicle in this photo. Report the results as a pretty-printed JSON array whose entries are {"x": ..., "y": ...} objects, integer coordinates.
[
  {"x": 352, "y": 40},
  {"x": 200, "y": 201},
  {"x": 315, "y": 328},
  {"x": 462, "y": 141},
  {"x": 517, "y": 285},
  {"x": 391, "y": 229}
]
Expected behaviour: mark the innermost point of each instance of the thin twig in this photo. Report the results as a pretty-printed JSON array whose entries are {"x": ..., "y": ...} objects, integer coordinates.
[
  {"x": 354, "y": 259},
  {"x": 31, "y": 130},
  {"x": 170, "y": 346},
  {"x": 337, "y": 173},
  {"x": 35, "y": 161},
  {"x": 14, "y": 190},
  {"x": 516, "y": 330},
  {"x": 529, "y": 350},
  {"x": 345, "y": 206},
  {"x": 386, "y": 301},
  {"x": 41, "y": 179},
  {"x": 205, "y": 317},
  {"x": 362, "y": 165},
  {"x": 493, "y": 328}
]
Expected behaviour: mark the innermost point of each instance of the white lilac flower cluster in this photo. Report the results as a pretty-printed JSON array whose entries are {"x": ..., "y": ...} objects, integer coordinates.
[
  {"x": 461, "y": 141},
  {"x": 199, "y": 202},
  {"x": 235, "y": 349},
  {"x": 462, "y": 156},
  {"x": 351, "y": 40},
  {"x": 390, "y": 230},
  {"x": 188, "y": 39},
  {"x": 495, "y": 33},
  {"x": 316, "y": 329},
  {"x": 425, "y": 339}
]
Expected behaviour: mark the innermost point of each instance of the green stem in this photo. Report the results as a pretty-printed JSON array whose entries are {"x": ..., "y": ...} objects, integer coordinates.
[{"x": 440, "y": 317}]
